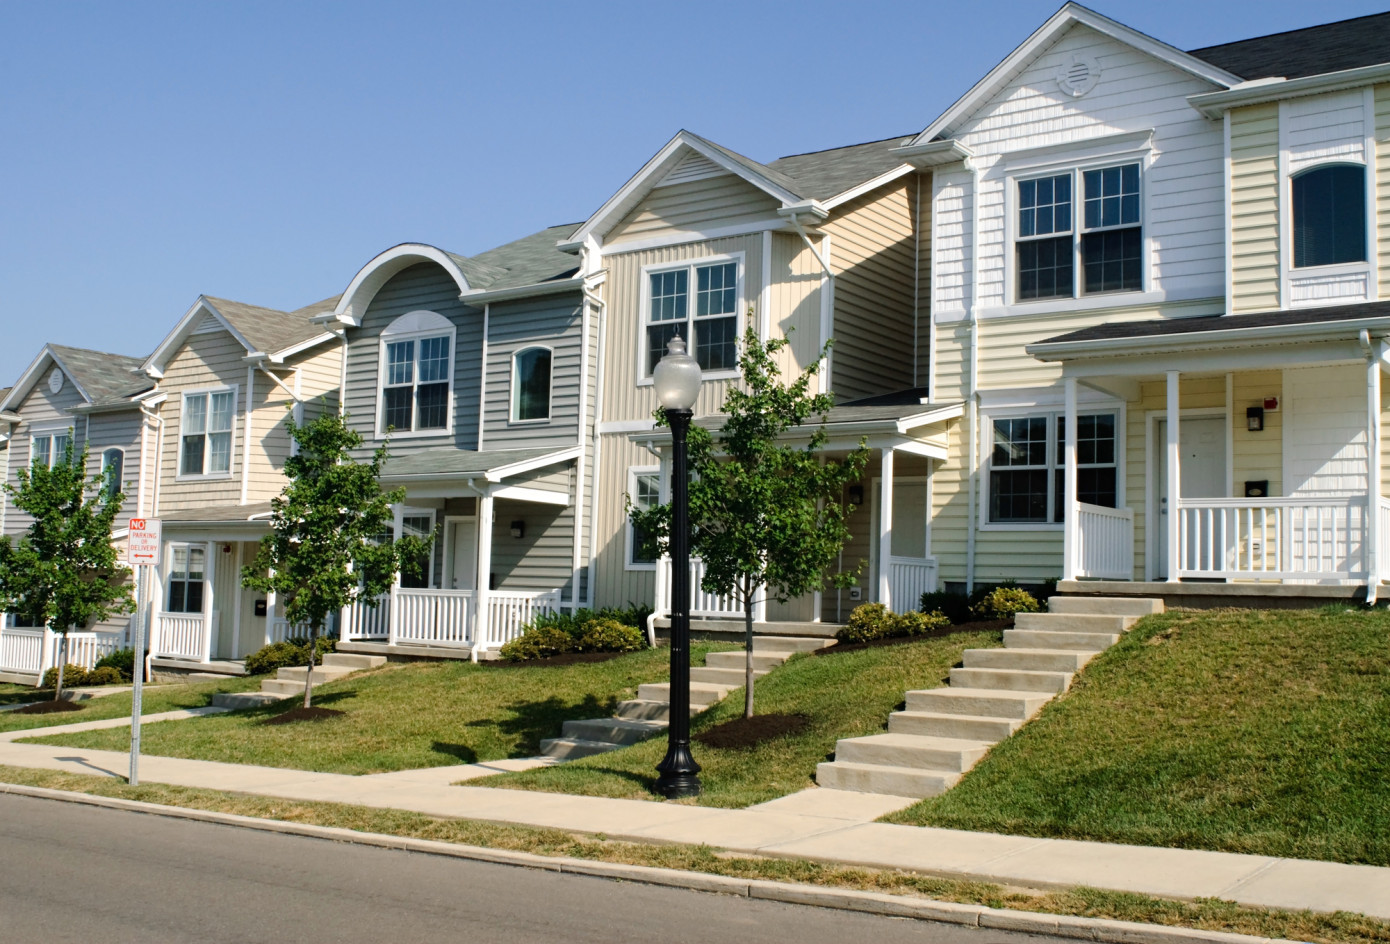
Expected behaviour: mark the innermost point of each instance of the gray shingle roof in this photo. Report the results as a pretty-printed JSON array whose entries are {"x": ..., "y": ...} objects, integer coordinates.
[
  {"x": 1331, "y": 47},
  {"x": 217, "y": 513},
  {"x": 823, "y": 174},
  {"x": 269, "y": 330},
  {"x": 525, "y": 261},
  {"x": 456, "y": 462},
  {"x": 107, "y": 378},
  {"x": 1170, "y": 327}
]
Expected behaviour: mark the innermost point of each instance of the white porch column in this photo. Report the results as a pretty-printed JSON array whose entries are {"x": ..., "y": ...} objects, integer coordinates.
[
  {"x": 885, "y": 527},
  {"x": 481, "y": 623},
  {"x": 209, "y": 582},
  {"x": 1071, "y": 521},
  {"x": 1174, "y": 484},
  {"x": 1373, "y": 562},
  {"x": 393, "y": 618}
]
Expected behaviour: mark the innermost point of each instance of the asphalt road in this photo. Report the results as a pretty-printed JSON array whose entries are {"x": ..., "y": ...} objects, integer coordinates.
[{"x": 82, "y": 874}]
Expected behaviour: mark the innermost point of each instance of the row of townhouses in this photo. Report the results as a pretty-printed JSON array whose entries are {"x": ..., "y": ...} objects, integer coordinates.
[{"x": 1119, "y": 313}]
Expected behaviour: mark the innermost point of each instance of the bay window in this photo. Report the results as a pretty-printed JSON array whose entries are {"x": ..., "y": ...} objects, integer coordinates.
[
  {"x": 1027, "y": 466},
  {"x": 708, "y": 322}
]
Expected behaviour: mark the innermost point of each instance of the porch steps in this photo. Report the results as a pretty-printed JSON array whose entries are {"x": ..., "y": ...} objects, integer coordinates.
[
  {"x": 290, "y": 681},
  {"x": 945, "y": 731},
  {"x": 648, "y": 714}
]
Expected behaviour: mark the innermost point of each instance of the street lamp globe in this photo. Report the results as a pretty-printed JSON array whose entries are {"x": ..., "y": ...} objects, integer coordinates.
[{"x": 677, "y": 377}]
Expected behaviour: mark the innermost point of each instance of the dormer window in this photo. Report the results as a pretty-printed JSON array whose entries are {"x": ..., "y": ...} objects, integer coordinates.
[
  {"x": 531, "y": 385},
  {"x": 417, "y": 375},
  {"x": 1329, "y": 215},
  {"x": 1106, "y": 243}
]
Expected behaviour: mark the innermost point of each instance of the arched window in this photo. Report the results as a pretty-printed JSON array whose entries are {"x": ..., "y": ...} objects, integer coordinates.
[
  {"x": 531, "y": 384},
  {"x": 1329, "y": 215},
  {"x": 112, "y": 467},
  {"x": 417, "y": 375}
]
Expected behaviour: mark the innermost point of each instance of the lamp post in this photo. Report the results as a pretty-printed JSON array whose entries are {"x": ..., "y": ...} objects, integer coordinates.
[{"x": 677, "y": 381}]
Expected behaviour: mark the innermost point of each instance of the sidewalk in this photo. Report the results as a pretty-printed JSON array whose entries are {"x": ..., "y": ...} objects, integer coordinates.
[{"x": 827, "y": 825}]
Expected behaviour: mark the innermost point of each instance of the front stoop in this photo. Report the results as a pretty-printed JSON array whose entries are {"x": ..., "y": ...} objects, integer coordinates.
[
  {"x": 945, "y": 731},
  {"x": 647, "y": 715},
  {"x": 290, "y": 682}
]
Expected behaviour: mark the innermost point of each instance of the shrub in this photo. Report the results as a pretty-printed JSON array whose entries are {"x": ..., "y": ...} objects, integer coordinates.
[
  {"x": 1004, "y": 602},
  {"x": 72, "y": 675},
  {"x": 574, "y": 623},
  {"x": 867, "y": 621},
  {"x": 609, "y": 635},
  {"x": 122, "y": 660},
  {"x": 917, "y": 624},
  {"x": 538, "y": 642},
  {"x": 286, "y": 654},
  {"x": 104, "y": 675},
  {"x": 956, "y": 606}
]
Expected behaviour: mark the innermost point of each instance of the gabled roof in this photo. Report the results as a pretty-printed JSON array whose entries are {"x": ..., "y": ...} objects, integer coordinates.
[
  {"x": 1330, "y": 47},
  {"x": 103, "y": 379},
  {"x": 1064, "y": 19},
  {"x": 824, "y": 175},
  {"x": 260, "y": 330}
]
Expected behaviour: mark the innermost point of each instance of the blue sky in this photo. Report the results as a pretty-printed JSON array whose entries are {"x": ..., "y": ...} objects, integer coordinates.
[{"x": 265, "y": 151}]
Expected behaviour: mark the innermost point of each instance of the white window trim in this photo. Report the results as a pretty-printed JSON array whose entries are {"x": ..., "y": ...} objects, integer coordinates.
[
  {"x": 515, "y": 388},
  {"x": 47, "y": 430},
  {"x": 432, "y": 513},
  {"x": 1053, "y": 412},
  {"x": 740, "y": 306},
  {"x": 378, "y": 431},
  {"x": 628, "y": 545},
  {"x": 1078, "y": 300},
  {"x": 181, "y": 475},
  {"x": 168, "y": 575}
]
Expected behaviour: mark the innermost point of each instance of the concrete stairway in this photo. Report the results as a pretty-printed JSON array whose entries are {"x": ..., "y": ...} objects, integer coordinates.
[
  {"x": 944, "y": 731},
  {"x": 647, "y": 714},
  {"x": 290, "y": 682}
]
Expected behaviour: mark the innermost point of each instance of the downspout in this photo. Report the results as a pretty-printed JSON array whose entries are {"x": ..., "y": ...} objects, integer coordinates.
[
  {"x": 246, "y": 433},
  {"x": 973, "y": 393},
  {"x": 482, "y": 377},
  {"x": 342, "y": 372},
  {"x": 158, "y": 463},
  {"x": 601, "y": 361},
  {"x": 582, "y": 442}
]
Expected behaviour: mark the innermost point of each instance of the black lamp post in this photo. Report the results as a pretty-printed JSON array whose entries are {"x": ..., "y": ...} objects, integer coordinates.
[{"x": 677, "y": 381}]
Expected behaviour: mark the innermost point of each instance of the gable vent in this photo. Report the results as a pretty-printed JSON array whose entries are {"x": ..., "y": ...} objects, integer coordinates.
[
  {"x": 1078, "y": 75},
  {"x": 694, "y": 166},
  {"x": 207, "y": 325}
]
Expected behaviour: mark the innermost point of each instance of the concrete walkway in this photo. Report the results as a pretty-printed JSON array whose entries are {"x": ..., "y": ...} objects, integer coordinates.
[{"x": 827, "y": 825}]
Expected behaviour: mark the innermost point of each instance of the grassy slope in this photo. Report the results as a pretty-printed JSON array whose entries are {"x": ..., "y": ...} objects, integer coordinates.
[
  {"x": 402, "y": 716},
  {"x": 1247, "y": 731},
  {"x": 155, "y": 699},
  {"x": 844, "y": 695}
]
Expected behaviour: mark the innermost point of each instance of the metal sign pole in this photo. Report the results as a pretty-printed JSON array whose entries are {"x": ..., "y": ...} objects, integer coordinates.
[{"x": 137, "y": 673}]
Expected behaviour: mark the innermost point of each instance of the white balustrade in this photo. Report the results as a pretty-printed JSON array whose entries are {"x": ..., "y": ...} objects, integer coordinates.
[
  {"x": 509, "y": 610},
  {"x": 908, "y": 579},
  {"x": 1104, "y": 541},
  {"x": 1274, "y": 538},
  {"x": 431, "y": 617},
  {"x": 360, "y": 621},
  {"x": 282, "y": 629},
  {"x": 702, "y": 602},
  {"x": 179, "y": 636},
  {"x": 21, "y": 650},
  {"x": 34, "y": 651}
]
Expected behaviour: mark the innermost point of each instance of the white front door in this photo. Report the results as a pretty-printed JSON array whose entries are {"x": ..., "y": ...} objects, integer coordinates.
[
  {"x": 1201, "y": 470},
  {"x": 463, "y": 553}
]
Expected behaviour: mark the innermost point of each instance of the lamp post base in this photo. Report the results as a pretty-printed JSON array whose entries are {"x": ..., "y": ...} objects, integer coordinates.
[{"x": 679, "y": 774}]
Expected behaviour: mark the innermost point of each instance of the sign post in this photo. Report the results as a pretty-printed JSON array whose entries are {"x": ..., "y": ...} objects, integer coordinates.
[{"x": 143, "y": 553}]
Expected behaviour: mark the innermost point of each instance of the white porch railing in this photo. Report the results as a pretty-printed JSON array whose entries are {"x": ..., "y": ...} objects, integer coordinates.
[
  {"x": 509, "y": 610},
  {"x": 702, "y": 603},
  {"x": 361, "y": 621},
  {"x": 29, "y": 650},
  {"x": 281, "y": 629},
  {"x": 431, "y": 617},
  {"x": 908, "y": 579},
  {"x": 1275, "y": 538},
  {"x": 180, "y": 636},
  {"x": 22, "y": 650},
  {"x": 1104, "y": 541}
]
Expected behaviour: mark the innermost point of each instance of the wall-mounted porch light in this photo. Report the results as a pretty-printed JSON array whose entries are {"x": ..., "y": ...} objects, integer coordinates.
[
  {"x": 518, "y": 529},
  {"x": 1255, "y": 419},
  {"x": 856, "y": 494}
]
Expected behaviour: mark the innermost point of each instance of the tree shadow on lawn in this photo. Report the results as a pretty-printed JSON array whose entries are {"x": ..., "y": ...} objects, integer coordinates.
[
  {"x": 462, "y": 752},
  {"x": 534, "y": 720},
  {"x": 288, "y": 703}
]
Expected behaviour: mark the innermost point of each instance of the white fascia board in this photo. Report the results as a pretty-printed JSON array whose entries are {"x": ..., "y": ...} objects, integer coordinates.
[
  {"x": 1203, "y": 340},
  {"x": 115, "y": 407},
  {"x": 25, "y": 381},
  {"x": 382, "y": 266},
  {"x": 868, "y": 185},
  {"x": 557, "y": 287},
  {"x": 280, "y": 356},
  {"x": 1212, "y": 104},
  {"x": 535, "y": 495},
  {"x": 637, "y": 187},
  {"x": 935, "y": 153},
  {"x": 516, "y": 468},
  {"x": 152, "y": 397},
  {"x": 804, "y": 208},
  {"x": 1070, "y": 15},
  {"x": 154, "y": 364},
  {"x": 937, "y": 415}
]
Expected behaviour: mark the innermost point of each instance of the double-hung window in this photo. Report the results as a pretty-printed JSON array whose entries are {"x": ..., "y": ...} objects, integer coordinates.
[
  {"x": 708, "y": 321},
  {"x": 51, "y": 448},
  {"x": 1027, "y": 466},
  {"x": 1106, "y": 244},
  {"x": 1329, "y": 215},
  {"x": 416, "y": 391},
  {"x": 206, "y": 437},
  {"x": 644, "y": 491},
  {"x": 186, "y": 574}
]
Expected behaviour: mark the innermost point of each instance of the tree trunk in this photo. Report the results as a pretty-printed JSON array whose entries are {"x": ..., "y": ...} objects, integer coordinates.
[
  {"x": 309, "y": 676},
  {"x": 62, "y": 664},
  {"x": 748, "y": 648}
]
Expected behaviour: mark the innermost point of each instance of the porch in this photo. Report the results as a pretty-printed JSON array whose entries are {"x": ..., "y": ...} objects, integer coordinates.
[{"x": 27, "y": 652}]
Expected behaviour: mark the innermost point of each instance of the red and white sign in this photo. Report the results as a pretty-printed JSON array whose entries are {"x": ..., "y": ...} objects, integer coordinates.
[{"x": 145, "y": 542}]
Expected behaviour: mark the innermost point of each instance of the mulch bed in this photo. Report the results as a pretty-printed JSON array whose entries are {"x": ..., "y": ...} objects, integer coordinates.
[
  {"x": 980, "y": 626},
  {"x": 749, "y": 732},
  {"x": 303, "y": 714},
  {"x": 568, "y": 658},
  {"x": 48, "y": 707}
]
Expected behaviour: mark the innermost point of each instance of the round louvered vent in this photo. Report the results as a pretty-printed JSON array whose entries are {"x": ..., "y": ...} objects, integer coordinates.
[{"x": 1078, "y": 75}]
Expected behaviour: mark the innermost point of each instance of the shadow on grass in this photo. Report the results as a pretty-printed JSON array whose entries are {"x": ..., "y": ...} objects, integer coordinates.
[
  {"x": 645, "y": 781},
  {"x": 533, "y": 720},
  {"x": 462, "y": 752}
]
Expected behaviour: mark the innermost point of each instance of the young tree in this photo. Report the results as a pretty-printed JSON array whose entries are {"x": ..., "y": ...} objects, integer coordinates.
[
  {"x": 328, "y": 543},
  {"x": 63, "y": 573},
  {"x": 767, "y": 515}
]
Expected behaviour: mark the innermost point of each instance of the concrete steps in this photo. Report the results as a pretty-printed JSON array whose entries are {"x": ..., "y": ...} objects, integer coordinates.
[
  {"x": 289, "y": 682},
  {"x": 945, "y": 731},
  {"x": 648, "y": 714}
]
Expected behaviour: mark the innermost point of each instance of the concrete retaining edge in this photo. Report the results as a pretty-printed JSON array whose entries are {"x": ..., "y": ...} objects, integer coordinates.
[{"x": 1090, "y": 929}]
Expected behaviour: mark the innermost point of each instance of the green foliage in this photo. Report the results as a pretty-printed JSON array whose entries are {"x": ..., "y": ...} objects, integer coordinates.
[
  {"x": 609, "y": 635},
  {"x": 287, "y": 654},
  {"x": 104, "y": 675},
  {"x": 956, "y": 606},
  {"x": 1004, "y": 602},
  {"x": 538, "y": 642},
  {"x": 875, "y": 621},
  {"x": 914, "y": 623},
  {"x": 574, "y": 623},
  {"x": 62, "y": 572},
  {"x": 122, "y": 660},
  {"x": 72, "y": 675}
]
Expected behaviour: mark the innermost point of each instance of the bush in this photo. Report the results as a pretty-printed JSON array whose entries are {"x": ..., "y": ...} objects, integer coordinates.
[
  {"x": 956, "y": 606},
  {"x": 122, "y": 660},
  {"x": 72, "y": 675},
  {"x": 609, "y": 635},
  {"x": 538, "y": 642},
  {"x": 104, "y": 675},
  {"x": 574, "y": 623},
  {"x": 867, "y": 621},
  {"x": 287, "y": 654},
  {"x": 1004, "y": 602},
  {"x": 917, "y": 624}
]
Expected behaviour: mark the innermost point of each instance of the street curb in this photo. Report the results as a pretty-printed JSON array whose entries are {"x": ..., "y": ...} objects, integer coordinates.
[{"x": 898, "y": 906}]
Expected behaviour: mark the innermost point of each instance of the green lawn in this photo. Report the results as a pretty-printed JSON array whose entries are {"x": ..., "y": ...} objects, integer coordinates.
[
  {"x": 844, "y": 695},
  {"x": 11, "y": 694},
  {"x": 155, "y": 699},
  {"x": 401, "y": 716},
  {"x": 1247, "y": 731}
]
